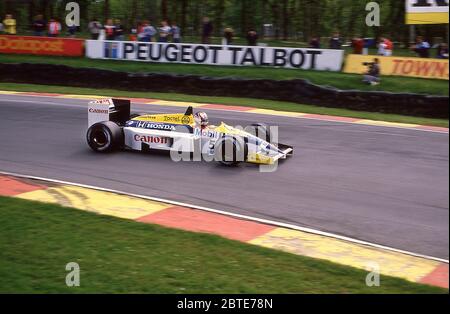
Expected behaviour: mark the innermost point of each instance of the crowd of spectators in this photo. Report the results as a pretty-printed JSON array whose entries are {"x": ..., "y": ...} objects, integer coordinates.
[
  {"x": 145, "y": 31},
  {"x": 39, "y": 27},
  {"x": 384, "y": 45}
]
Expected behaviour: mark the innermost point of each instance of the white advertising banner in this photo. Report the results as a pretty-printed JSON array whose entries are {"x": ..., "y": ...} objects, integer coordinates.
[
  {"x": 426, "y": 11},
  {"x": 300, "y": 58}
]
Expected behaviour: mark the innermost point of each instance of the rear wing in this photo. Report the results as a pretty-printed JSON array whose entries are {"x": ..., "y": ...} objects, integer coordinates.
[{"x": 110, "y": 109}]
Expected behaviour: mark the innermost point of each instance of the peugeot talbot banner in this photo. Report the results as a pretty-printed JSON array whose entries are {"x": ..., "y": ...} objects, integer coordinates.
[
  {"x": 300, "y": 58},
  {"x": 427, "y": 11}
]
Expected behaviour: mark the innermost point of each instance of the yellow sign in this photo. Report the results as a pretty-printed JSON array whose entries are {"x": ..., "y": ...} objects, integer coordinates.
[
  {"x": 401, "y": 66},
  {"x": 175, "y": 118},
  {"x": 426, "y": 11}
]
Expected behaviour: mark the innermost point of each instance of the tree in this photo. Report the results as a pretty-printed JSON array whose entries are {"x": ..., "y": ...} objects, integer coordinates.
[
  {"x": 31, "y": 13},
  {"x": 285, "y": 20},
  {"x": 106, "y": 10},
  {"x": 276, "y": 17},
  {"x": 219, "y": 10},
  {"x": 288, "y": 17},
  {"x": 184, "y": 7},
  {"x": 164, "y": 9},
  {"x": 244, "y": 18}
]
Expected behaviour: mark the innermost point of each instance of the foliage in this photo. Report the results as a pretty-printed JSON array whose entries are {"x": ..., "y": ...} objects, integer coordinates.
[{"x": 293, "y": 19}]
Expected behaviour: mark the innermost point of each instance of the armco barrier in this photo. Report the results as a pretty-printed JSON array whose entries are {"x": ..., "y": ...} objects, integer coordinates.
[{"x": 299, "y": 91}]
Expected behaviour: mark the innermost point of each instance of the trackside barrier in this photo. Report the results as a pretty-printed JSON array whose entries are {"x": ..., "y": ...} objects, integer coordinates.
[
  {"x": 52, "y": 46},
  {"x": 298, "y": 91},
  {"x": 296, "y": 58}
]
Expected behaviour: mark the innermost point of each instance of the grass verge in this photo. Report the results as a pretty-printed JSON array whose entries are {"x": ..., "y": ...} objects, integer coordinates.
[
  {"x": 250, "y": 102},
  {"x": 335, "y": 79},
  {"x": 122, "y": 256}
]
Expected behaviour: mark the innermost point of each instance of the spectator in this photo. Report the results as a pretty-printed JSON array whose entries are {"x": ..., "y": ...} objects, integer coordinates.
[
  {"x": 372, "y": 76},
  {"x": 335, "y": 41},
  {"x": 358, "y": 45},
  {"x": 109, "y": 29},
  {"x": 314, "y": 43},
  {"x": 9, "y": 25},
  {"x": 442, "y": 51},
  {"x": 207, "y": 31},
  {"x": 39, "y": 25},
  {"x": 147, "y": 32},
  {"x": 94, "y": 27},
  {"x": 140, "y": 27},
  {"x": 368, "y": 43},
  {"x": 71, "y": 30},
  {"x": 228, "y": 34},
  {"x": 385, "y": 47},
  {"x": 54, "y": 28},
  {"x": 119, "y": 31},
  {"x": 133, "y": 34},
  {"x": 176, "y": 33},
  {"x": 252, "y": 37},
  {"x": 135, "y": 31},
  {"x": 1, "y": 28},
  {"x": 164, "y": 32},
  {"x": 421, "y": 48}
]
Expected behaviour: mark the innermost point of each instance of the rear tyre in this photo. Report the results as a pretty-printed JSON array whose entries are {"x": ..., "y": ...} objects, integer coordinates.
[
  {"x": 230, "y": 151},
  {"x": 105, "y": 137}
]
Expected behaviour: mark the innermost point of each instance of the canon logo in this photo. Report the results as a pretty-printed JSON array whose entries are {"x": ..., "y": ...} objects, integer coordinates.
[
  {"x": 150, "y": 139},
  {"x": 92, "y": 110}
]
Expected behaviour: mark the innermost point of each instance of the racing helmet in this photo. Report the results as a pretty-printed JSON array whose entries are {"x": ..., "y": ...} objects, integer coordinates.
[{"x": 201, "y": 118}]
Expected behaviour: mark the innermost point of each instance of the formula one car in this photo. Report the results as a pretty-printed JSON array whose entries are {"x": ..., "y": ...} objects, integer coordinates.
[{"x": 111, "y": 126}]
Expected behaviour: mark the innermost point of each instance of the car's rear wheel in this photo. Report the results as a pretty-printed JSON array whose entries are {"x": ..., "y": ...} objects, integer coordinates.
[
  {"x": 104, "y": 137},
  {"x": 230, "y": 151}
]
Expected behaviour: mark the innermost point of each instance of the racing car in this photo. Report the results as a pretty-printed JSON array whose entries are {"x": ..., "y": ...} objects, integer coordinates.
[{"x": 111, "y": 126}]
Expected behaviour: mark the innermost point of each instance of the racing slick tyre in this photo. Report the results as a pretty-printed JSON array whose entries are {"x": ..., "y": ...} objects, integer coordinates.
[
  {"x": 104, "y": 137},
  {"x": 260, "y": 130},
  {"x": 230, "y": 151}
]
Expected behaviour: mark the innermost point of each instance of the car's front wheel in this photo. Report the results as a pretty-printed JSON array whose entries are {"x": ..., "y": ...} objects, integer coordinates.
[
  {"x": 104, "y": 137},
  {"x": 230, "y": 151}
]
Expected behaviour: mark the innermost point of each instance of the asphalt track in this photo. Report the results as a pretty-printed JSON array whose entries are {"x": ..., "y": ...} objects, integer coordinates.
[{"x": 384, "y": 185}]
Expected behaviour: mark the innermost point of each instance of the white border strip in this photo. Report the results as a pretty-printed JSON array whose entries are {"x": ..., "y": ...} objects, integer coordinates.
[{"x": 260, "y": 220}]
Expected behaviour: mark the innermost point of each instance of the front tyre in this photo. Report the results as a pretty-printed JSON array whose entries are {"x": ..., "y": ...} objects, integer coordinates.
[
  {"x": 230, "y": 151},
  {"x": 105, "y": 137}
]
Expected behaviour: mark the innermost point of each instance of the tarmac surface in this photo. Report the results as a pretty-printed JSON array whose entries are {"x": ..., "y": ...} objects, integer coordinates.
[{"x": 384, "y": 185}]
